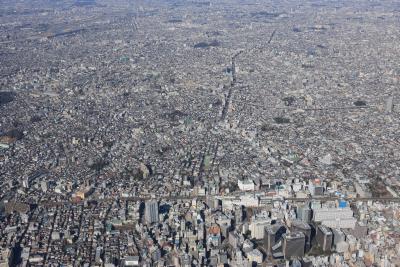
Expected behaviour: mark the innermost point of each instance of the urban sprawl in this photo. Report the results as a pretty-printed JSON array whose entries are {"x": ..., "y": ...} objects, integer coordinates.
[{"x": 200, "y": 133}]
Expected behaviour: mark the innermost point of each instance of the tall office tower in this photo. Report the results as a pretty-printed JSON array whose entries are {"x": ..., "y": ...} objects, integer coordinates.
[
  {"x": 43, "y": 186},
  {"x": 338, "y": 236},
  {"x": 296, "y": 263},
  {"x": 299, "y": 226},
  {"x": 306, "y": 262},
  {"x": 151, "y": 211},
  {"x": 304, "y": 213},
  {"x": 389, "y": 104},
  {"x": 293, "y": 245},
  {"x": 324, "y": 238},
  {"x": 339, "y": 241},
  {"x": 272, "y": 236},
  {"x": 25, "y": 182},
  {"x": 238, "y": 214},
  {"x": 235, "y": 240}
]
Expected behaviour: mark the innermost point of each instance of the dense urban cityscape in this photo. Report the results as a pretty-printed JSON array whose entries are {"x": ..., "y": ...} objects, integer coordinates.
[{"x": 200, "y": 133}]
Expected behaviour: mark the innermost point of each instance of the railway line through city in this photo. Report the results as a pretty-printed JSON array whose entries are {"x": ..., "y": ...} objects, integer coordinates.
[{"x": 204, "y": 198}]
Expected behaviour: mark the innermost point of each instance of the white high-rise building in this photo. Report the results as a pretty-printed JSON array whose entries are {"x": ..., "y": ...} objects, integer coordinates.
[
  {"x": 43, "y": 185},
  {"x": 389, "y": 104},
  {"x": 246, "y": 185},
  {"x": 151, "y": 211}
]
